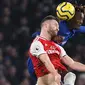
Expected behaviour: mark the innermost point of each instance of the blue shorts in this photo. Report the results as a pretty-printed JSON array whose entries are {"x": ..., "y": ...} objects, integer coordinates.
[{"x": 31, "y": 69}]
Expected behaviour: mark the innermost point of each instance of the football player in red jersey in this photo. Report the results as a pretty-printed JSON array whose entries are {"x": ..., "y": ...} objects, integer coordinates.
[{"x": 47, "y": 56}]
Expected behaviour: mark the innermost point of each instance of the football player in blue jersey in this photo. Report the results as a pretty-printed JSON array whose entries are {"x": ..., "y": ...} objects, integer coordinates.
[{"x": 67, "y": 29}]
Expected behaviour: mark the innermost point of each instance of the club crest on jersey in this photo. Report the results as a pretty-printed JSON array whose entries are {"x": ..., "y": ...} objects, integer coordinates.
[
  {"x": 46, "y": 44},
  {"x": 52, "y": 47}
]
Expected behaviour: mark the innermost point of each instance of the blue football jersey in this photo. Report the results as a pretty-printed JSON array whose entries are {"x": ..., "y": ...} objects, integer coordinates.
[{"x": 65, "y": 32}]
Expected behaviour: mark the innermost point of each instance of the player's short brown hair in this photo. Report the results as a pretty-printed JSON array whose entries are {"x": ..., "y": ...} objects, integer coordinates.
[{"x": 49, "y": 17}]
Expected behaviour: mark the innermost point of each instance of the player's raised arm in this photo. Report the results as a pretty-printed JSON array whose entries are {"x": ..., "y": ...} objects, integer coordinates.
[
  {"x": 81, "y": 29},
  {"x": 71, "y": 63}
]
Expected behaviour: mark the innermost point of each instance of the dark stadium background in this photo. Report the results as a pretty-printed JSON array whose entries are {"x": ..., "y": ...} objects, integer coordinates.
[{"x": 18, "y": 20}]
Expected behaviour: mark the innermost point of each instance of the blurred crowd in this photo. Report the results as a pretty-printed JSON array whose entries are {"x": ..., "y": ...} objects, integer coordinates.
[{"x": 18, "y": 20}]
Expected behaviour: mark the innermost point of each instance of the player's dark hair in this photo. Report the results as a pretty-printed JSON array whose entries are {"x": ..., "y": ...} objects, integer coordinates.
[
  {"x": 79, "y": 8},
  {"x": 49, "y": 17}
]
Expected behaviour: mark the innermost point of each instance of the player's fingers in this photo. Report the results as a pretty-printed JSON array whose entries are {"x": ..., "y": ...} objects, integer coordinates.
[{"x": 58, "y": 78}]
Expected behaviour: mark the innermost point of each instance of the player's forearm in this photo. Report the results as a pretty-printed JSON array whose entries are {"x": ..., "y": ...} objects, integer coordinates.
[
  {"x": 46, "y": 61},
  {"x": 50, "y": 67},
  {"x": 53, "y": 71},
  {"x": 78, "y": 66}
]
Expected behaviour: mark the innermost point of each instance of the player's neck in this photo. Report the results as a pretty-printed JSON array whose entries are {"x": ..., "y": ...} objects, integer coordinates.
[{"x": 45, "y": 35}]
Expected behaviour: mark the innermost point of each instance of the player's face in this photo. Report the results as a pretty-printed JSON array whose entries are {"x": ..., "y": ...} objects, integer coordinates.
[
  {"x": 78, "y": 21},
  {"x": 53, "y": 28}
]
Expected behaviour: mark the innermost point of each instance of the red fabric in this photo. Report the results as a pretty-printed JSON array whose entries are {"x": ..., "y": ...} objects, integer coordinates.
[{"x": 53, "y": 52}]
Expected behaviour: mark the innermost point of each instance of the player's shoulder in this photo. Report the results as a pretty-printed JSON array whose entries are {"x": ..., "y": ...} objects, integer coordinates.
[
  {"x": 36, "y": 47},
  {"x": 36, "y": 43},
  {"x": 63, "y": 22},
  {"x": 61, "y": 48},
  {"x": 58, "y": 45},
  {"x": 62, "y": 51}
]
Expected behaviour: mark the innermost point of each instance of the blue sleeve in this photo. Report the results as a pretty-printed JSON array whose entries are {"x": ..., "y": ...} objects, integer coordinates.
[
  {"x": 82, "y": 29},
  {"x": 35, "y": 34}
]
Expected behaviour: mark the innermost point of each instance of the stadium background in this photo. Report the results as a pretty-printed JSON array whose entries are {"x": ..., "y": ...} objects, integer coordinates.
[{"x": 18, "y": 20}]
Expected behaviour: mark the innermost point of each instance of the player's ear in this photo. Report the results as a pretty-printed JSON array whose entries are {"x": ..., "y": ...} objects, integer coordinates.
[{"x": 46, "y": 24}]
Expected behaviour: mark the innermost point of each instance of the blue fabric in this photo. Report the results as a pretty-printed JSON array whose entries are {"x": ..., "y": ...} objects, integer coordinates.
[
  {"x": 81, "y": 30},
  {"x": 65, "y": 33},
  {"x": 35, "y": 34},
  {"x": 31, "y": 69}
]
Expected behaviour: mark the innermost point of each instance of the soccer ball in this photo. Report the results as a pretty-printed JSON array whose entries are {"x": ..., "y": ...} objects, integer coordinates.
[{"x": 65, "y": 11}]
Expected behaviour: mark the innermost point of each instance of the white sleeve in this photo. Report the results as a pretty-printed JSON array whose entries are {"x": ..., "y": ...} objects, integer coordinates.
[
  {"x": 63, "y": 52},
  {"x": 37, "y": 48}
]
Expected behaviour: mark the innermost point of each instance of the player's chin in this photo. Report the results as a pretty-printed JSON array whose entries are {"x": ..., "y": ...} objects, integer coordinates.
[
  {"x": 55, "y": 33},
  {"x": 53, "y": 37}
]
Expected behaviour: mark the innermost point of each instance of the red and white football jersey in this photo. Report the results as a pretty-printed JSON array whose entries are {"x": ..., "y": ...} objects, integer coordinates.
[{"x": 54, "y": 51}]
